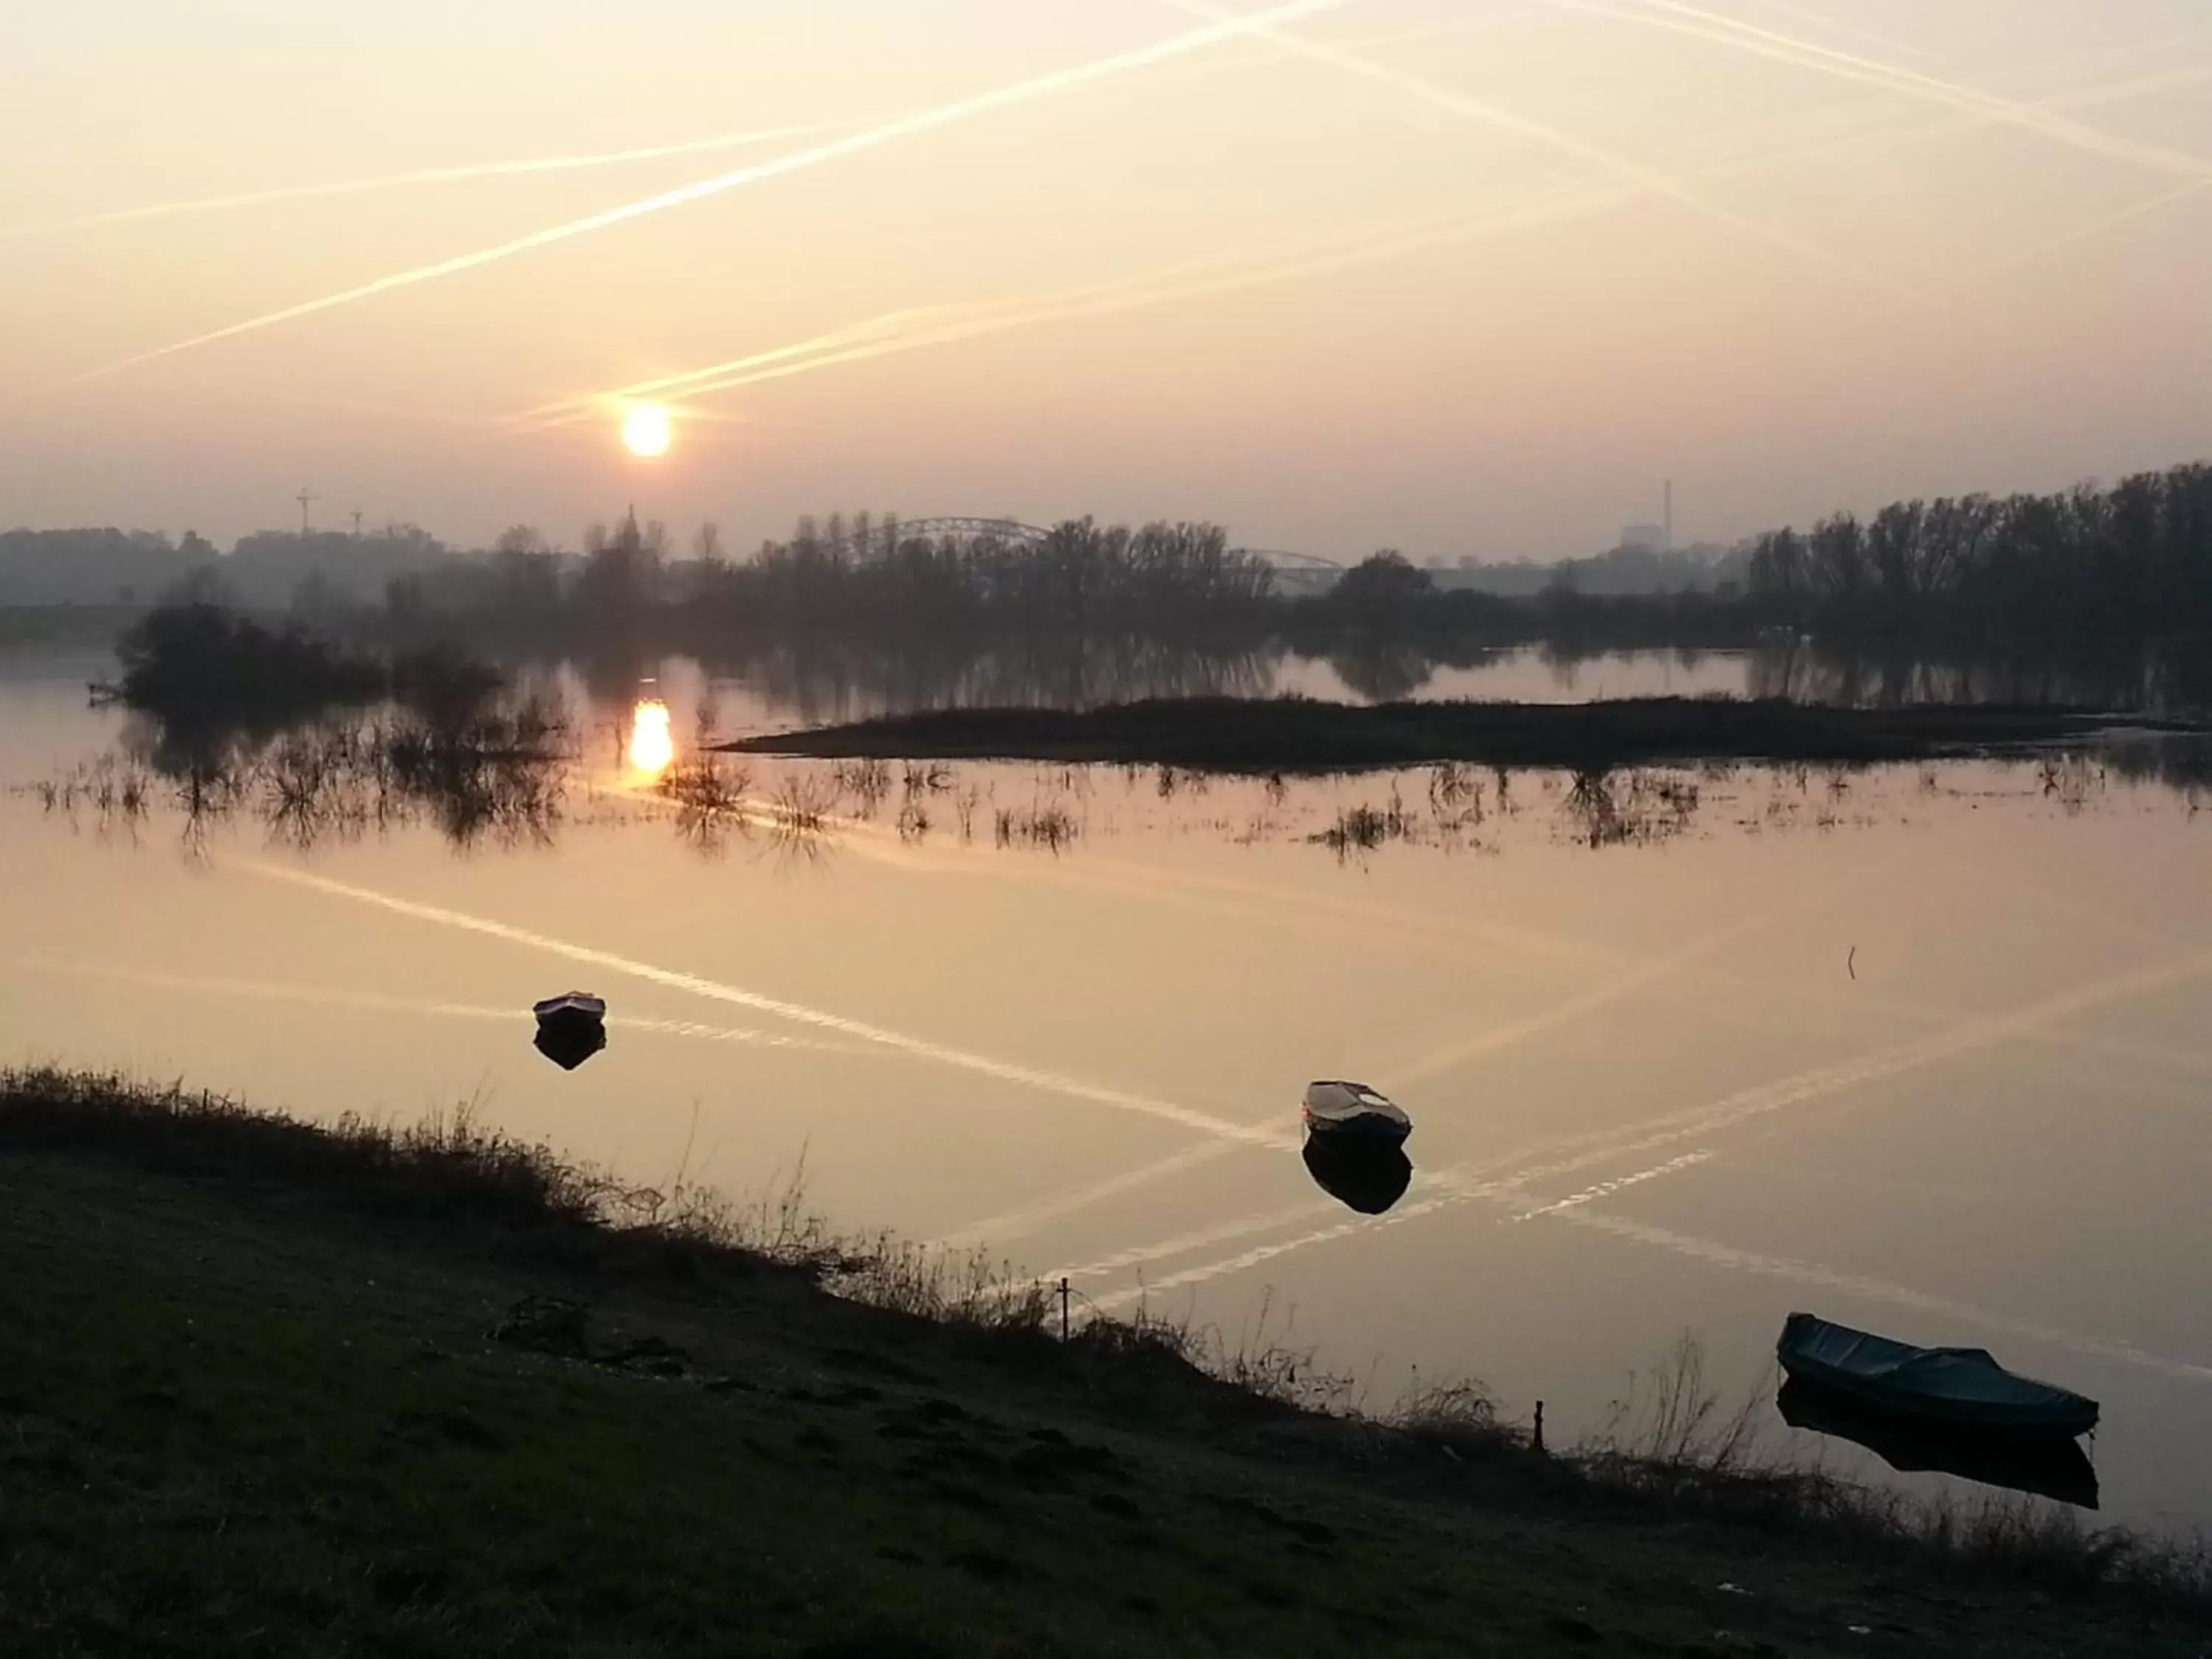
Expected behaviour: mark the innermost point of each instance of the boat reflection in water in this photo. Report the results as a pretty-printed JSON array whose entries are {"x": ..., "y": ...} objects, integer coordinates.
[
  {"x": 1364, "y": 1173},
  {"x": 2044, "y": 1465}
]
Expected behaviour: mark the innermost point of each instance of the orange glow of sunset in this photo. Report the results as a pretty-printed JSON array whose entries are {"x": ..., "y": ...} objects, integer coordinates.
[
  {"x": 652, "y": 745},
  {"x": 645, "y": 432},
  {"x": 1467, "y": 280}
]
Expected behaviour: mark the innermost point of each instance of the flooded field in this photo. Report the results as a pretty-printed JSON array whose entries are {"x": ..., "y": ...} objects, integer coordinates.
[{"x": 1921, "y": 1049}]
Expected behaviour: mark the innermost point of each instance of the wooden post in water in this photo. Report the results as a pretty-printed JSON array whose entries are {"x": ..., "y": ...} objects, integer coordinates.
[
  {"x": 1537, "y": 1443},
  {"x": 1063, "y": 1309}
]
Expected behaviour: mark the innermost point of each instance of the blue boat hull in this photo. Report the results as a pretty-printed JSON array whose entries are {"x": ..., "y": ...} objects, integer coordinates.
[{"x": 1955, "y": 1388}]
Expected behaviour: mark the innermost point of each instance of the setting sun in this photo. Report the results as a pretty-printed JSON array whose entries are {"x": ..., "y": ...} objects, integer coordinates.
[
  {"x": 646, "y": 430},
  {"x": 651, "y": 745}
]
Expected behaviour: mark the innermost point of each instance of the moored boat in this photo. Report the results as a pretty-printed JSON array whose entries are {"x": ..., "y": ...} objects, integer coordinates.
[
  {"x": 574, "y": 1005},
  {"x": 1353, "y": 1108},
  {"x": 1959, "y": 1388},
  {"x": 571, "y": 1029}
]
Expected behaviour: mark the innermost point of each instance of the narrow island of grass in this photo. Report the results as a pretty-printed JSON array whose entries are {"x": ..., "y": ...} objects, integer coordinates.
[
  {"x": 272, "y": 1388},
  {"x": 1295, "y": 734}
]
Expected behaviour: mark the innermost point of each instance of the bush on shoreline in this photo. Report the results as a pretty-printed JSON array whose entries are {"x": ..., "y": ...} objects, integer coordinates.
[
  {"x": 202, "y": 668},
  {"x": 196, "y": 663}
]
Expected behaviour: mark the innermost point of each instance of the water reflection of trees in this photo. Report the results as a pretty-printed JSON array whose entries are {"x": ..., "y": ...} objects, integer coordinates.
[
  {"x": 492, "y": 766},
  {"x": 824, "y": 680},
  {"x": 2182, "y": 764},
  {"x": 1384, "y": 671},
  {"x": 1798, "y": 669},
  {"x": 818, "y": 681},
  {"x": 489, "y": 769}
]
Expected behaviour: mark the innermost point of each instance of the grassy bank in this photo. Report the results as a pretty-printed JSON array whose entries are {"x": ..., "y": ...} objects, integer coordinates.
[
  {"x": 1292, "y": 734},
  {"x": 277, "y": 1389}
]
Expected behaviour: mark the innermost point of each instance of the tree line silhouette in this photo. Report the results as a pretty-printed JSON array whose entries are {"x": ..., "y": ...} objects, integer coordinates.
[
  {"x": 2109, "y": 578},
  {"x": 866, "y": 575},
  {"x": 2085, "y": 576},
  {"x": 2087, "y": 569}
]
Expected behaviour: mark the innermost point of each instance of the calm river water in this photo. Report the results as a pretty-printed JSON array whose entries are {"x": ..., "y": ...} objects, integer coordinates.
[{"x": 1926, "y": 1051}]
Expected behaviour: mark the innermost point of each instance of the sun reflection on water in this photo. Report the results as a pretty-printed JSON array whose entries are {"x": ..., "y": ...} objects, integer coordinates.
[{"x": 651, "y": 745}]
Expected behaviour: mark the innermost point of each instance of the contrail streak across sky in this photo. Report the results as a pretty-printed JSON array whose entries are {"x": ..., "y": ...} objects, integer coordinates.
[
  {"x": 2006, "y": 265},
  {"x": 696, "y": 985},
  {"x": 1624, "y": 167},
  {"x": 916, "y": 328},
  {"x": 1012, "y": 1223},
  {"x": 897, "y": 333},
  {"x": 1789, "y": 1268},
  {"x": 1838, "y": 25},
  {"x": 1881, "y": 1290},
  {"x": 1721, "y": 29},
  {"x": 902, "y": 331},
  {"x": 380, "y": 1002},
  {"x": 251, "y": 198},
  {"x": 888, "y": 325},
  {"x": 907, "y": 126},
  {"x": 1762, "y": 1100}
]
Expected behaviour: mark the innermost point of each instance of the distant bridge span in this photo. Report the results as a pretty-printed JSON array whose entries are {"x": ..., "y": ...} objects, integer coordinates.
[
  {"x": 1005, "y": 530},
  {"x": 1029, "y": 535}
]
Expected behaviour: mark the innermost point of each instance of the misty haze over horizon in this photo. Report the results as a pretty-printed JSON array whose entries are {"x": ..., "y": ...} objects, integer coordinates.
[{"x": 1470, "y": 281}]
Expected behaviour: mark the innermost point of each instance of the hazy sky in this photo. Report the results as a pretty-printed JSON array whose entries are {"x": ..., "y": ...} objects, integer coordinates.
[{"x": 1474, "y": 277}]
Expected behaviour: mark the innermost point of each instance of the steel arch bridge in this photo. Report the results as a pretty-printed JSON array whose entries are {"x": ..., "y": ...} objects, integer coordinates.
[
  {"x": 1307, "y": 562},
  {"x": 1005, "y": 530}
]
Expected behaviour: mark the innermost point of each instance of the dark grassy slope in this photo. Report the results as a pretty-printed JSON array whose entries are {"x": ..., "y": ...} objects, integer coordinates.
[
  {"x": 1292, "y": 734},
  {"x": 250, "y": 1405}
]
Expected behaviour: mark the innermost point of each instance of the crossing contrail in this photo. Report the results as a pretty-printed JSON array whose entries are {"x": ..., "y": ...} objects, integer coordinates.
[
  {"x": 378, "y": 1002},
  {"x": 1882, "y": 1291},
  {"x": 1718, "y": 28},
  {"x": 1638, "y": 173},
  {"x": 917, "y": 328},
  {"x": 1505, "y": 1192},
  {"x": 1789, "y": 1268},
  {"x": 871, "y": 344},
  {"x": 994, "y": 1230},
  {"x": 868, "y": 138},
  {"x": 1061, "y": 309},
  {"x": 1027, "y": 1217},
  {"x": 904, "y": 330},
  {"x": 798, "y": 1013},
  {"x": 888, "y": 325},
  {"x": 887, "y": 335},
  {"x": 1838, "y": 25},
  {"x": 2006, "y": 265},
  {"x": 1761, "y": 1100},
  {"x": 251, "y": 198},
  {"x": 1591, "y": 1194},
  {"x": 1642, "y": 976},
  {"x": 1013, "y": 1223},
  {"x": 1502, "y": 1179}
]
